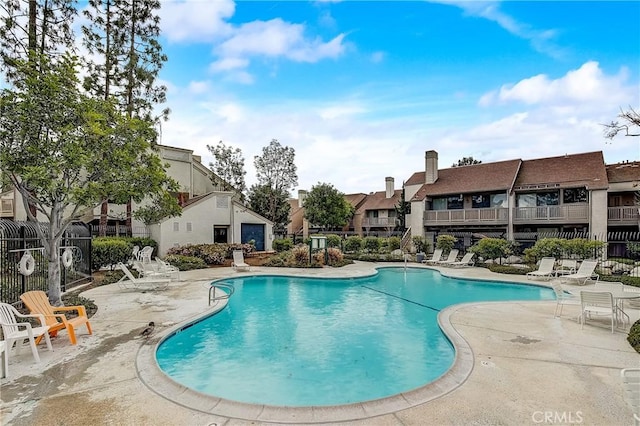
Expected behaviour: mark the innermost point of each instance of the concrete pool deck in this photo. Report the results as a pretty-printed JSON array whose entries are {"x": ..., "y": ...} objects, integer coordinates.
[{"x": 521, "y": 366}]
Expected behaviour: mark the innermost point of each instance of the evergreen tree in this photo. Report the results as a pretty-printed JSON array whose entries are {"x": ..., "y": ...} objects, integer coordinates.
[
  {"x": 229, "y": 166},
  {"x": 326, "y": 207}
]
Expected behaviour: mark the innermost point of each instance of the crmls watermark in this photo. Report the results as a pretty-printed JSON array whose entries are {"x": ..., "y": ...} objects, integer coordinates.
[{"x": 557, "y": 417}]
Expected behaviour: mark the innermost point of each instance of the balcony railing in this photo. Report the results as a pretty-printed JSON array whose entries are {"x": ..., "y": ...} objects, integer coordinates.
[
  {"x": 624, "y": 215},
  {"x": 6, "y": 207},
  {"x": 498, "y": 216},
  {"x": 372, "y": 222},
  {"x": 568, "y": 213}
]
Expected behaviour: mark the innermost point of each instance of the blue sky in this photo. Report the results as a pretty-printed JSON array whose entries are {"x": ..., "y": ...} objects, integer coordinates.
[{"x": 361, "y": 89}]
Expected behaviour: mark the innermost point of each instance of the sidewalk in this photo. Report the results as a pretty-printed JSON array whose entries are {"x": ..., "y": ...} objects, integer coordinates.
[{"x": 524, "y": 365}]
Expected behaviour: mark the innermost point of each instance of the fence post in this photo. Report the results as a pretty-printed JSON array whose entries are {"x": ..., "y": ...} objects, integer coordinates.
[
  {"x": 63, "y": 270},
  {"x": 23, "y": 245}
]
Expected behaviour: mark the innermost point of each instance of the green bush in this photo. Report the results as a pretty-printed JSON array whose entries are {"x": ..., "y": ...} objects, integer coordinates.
[
  {"x": 506, "y": 269},
  {"x": 561, "y": 247},
  {"x": 634, "y": 336},
  {"x": 300, "y": 255},
  {"x": 446, "y": 242},
  {"x": 393, "y": 243},
  {"x": 108, "y": 251},
  {"x": 353, "y": 244},
  {"x": 372, "y": 244},
  {"x": 625, "y": 279},
  {"x": 211, "y": 254},
  {"x": 282, "y": 244},
  {"x": 334, "y": 241},
  {"x": 492, "y": 248},
  {"x": 334, "y": 256},
  {"x": 142, "y": 242},
  {"x": 185, "y": 263},
  {"x": 420, "y": 244}
]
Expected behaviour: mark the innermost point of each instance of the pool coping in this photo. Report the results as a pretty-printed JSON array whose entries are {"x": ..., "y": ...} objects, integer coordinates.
[{"x": 150, "y": 374}]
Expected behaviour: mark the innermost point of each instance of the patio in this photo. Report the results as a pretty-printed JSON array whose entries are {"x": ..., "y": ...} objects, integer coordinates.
[{"x": 527, "y": 365}]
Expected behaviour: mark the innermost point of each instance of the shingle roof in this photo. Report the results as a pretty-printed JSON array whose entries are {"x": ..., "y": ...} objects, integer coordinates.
[
  {"x": 484, "y": 177},
  {"x": 566, "y": 171},
  {"x": 379, "y": 201},
  {"x": 355, "y": 199},
  {"x": 623, "y": 172}
]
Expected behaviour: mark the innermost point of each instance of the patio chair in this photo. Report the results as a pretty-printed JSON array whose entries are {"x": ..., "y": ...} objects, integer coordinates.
[
  {"x": 631, "y": 386},
  {"x": 545, "y": 268},
  {"x": 5, "y": 359},
  {"x": 238, "y": 261},
  {"x": 566, "y": 267},
  {"x": 435, "y": 257},
  {"x": 128, "y": 281},
  {"x": 15, "y": 332},
  {"x": 597, "y": 303},
  {"x": 563, "y": 298},
  {"x": 144, "y": 255},
  {"x": 38, "y": 303},
  {"x": 585, "y": 272},
  {"x": 167, "y": 269},
  {"x": 467, "y": 260},
  {"x": 453, "y": 254}
]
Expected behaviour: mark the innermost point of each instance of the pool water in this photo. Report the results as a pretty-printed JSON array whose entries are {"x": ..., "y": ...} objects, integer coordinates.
[{"x": 289, "y": 341}]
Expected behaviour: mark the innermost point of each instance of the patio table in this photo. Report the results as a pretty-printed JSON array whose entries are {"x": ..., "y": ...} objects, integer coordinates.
[{"x": 619, "y": 296}]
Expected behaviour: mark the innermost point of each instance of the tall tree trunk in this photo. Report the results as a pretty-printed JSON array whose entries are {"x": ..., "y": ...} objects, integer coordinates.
[{"x": 104, "y": 210}]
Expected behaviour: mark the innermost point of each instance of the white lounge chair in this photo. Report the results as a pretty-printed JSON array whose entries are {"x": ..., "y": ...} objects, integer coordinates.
[
  {"x": 238, "y": 261},
  {"x": 128, "y": 281},
  {"x": 585, "y": 272},
  {"x": 435, "y": 257},
  {"x": 631, "y": 385},
  {"x": 467, "y": 260},
  {"x": 563, "y": 298},
  {"x": 15, "y": 332},
  {"x": 597, "y": 303},
  {"x": 566, "y": 266},
  {"x": 453, "y": 254},
  {"x": 545, "y": 268},
  {"x": 167, "y": 269}
]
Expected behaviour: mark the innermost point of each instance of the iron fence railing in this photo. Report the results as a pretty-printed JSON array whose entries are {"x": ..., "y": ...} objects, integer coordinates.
[{"x": 17, "y": 237}]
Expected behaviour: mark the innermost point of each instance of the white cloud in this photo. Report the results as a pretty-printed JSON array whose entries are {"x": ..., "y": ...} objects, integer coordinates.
[
  {"x": 587, "y": 85},
  {"x": 199, "y": 87},
  {"x": 278, "y": 38},
  {"x": 377, "y": 57},
  {"x": 195, "y": 20},
  {"x": 228, "y": 64}
]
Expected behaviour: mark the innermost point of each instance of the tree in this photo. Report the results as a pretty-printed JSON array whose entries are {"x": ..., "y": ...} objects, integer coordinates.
[
  {"x": 261, "y": 199},
  {"x": 326, "y": 207},
  {"x": 403, "y": 208},
  {"x": 466, "y": 161},
  {"x": 276, "y": 170},
  {"x": 229, "y": 166},
  {"x": 630, "y": 124},
  {"x": 126, "y": 57},
  {"x": 62, "y": 150}
]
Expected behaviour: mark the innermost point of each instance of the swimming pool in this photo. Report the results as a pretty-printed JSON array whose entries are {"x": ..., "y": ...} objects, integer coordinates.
[{"x": 291, "y": 341}]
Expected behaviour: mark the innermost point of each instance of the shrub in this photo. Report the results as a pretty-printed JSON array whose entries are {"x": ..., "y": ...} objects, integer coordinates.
[
  {"x": 211, "y": 254},
  {"x": 108, "y": 251},
  {"x": 446, "y": 242},
  {"x": 185, "y": 263},
  {"x": 634, "y": 336},
  {"x": 300, "y": 255},
  {"x": 492, "y": 248},
  {"x": 506, "y": 269},
  {"x": 334, "y": 256},
  {"x": 282, "y": 244},
  {"x": 421, "y": 245},
  {"x": 142, "y": 242},
  {"x": 393, "y": 243},
  {"x": 372, "y": 244},
  {"x": 585, "y": 249},
  {"x": 561, "y": 247},
  {"x": 246, "y": 248},
  {"x": 353, "y": 244},
  {"x": 334, "y": 241}
]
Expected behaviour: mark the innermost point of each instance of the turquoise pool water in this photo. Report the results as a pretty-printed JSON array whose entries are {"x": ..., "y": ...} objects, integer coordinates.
[{"x": 290, "y": 341}]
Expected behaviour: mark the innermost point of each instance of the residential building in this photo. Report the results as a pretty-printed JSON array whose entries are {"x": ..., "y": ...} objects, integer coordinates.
[
  {"x": 566, "y": 194},
  {"x": 209, "y": 213}
]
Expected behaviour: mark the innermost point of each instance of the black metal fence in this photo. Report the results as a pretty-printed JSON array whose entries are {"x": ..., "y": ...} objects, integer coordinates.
[{"x": 17, "y": 237}]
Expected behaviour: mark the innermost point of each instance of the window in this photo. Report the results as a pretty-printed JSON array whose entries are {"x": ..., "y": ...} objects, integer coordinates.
[
  {"x": 499, "y": 200},
  {"x": 189, "y": 227},
  {"x": 480, "y": 201},
  {"x": 455, "y": 203},
  {"x": 575, "y": 195},
  {"x": 220, "y": 234},
  {"x": 439, "y": 204},
  {"x": 176, "y": 226},
  {"x": 547, "y": 198}
]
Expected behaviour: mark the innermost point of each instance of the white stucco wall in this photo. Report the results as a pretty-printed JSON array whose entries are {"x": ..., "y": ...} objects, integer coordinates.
[{"x": 598, "y": 205}]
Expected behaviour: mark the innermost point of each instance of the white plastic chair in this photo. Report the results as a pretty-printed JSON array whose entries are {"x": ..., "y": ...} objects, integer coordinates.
[
  {"x": 563, "y": 298},
  {"x": 14, "y": 331},
  {"x": 435, "y": 257},
  {"x": 631, "y": 386},
  {"x": 238, "y": 261},
  {"x": 597, "y": 303},
  {"x": 584, "y": 273},
  {"x": 128, "y": 281},
  {"x": 545, "y": 268},
  {"x": 5, "y": 358}
]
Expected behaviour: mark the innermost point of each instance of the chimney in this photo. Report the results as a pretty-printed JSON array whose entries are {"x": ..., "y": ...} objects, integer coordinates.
[
  {"x": 389, "y": 186},
  {"x": 430, "y": 167},
  {"x": 302, "y": 194}
]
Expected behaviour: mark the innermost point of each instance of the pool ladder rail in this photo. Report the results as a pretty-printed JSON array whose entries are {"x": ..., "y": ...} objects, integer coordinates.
[{"x": 226, "y": 291}]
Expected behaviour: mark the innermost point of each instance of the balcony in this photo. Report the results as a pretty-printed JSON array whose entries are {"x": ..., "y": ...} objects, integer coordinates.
[
  {"x": 498, "y": 216},
  {"x": 6, "y": 208},
  {"x": 379, "y": 222},
  {"x": 568, "y": 213},
  {"x": 628, "y": 215}
]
